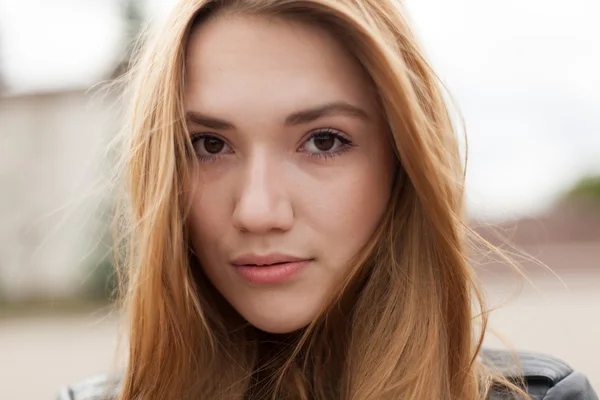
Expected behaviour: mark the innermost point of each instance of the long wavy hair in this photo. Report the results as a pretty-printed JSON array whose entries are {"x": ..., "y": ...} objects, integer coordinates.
[{"x": 409, "y": 320}]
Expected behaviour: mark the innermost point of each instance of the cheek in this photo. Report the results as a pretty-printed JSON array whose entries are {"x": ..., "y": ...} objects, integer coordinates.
[
  {"x": 345, "y": 211},
  {"x": 208, "y": 218}
]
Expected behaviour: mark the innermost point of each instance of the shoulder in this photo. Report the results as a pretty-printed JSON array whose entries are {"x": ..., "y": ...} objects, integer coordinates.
[
  {"x": 545, "y": 377},
  {"x": 97, "y": 388}
]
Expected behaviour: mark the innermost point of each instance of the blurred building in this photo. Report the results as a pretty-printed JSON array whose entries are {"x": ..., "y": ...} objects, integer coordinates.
[
  {"x": 53, "y": 170},
  {"x": 51, "y": 152},
  {"x": 566, "y": 239}
]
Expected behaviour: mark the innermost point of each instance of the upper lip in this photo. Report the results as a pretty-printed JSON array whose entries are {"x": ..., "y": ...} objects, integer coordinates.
[{"x": 267, "y": 259}]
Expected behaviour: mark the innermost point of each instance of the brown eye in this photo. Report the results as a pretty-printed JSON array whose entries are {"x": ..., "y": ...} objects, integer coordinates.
[
  {"x": 213, "y": 145},
  {"x": 210, "y": 147},
  {"x": 324, "y": 142}
]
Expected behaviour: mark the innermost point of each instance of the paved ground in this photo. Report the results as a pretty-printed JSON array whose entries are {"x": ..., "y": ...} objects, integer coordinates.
[{"x": 38, "y": 354}]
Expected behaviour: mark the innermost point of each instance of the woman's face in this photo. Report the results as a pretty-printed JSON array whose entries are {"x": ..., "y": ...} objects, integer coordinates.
[{"x": 293, "y": 169}]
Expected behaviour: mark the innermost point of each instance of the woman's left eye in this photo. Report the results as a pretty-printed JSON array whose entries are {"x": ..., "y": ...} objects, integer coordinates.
[{"x": 326, "y": 142}]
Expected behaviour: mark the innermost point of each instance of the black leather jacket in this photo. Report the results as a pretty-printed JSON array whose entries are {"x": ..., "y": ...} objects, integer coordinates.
[{"x": 546, "y": 378}]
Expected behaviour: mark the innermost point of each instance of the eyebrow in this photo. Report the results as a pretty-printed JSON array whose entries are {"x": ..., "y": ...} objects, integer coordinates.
[{"x": 297, "y": 118}]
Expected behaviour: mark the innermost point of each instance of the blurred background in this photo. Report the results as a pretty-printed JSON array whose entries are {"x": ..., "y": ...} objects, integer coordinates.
[{"x": 524, "y": 73}]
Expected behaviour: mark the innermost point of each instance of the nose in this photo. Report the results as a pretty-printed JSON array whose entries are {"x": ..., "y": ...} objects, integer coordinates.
[{"x": 263, "y": 203}]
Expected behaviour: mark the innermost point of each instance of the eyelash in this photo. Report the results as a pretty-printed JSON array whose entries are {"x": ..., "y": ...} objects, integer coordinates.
[{"x": 346, "y": 145}]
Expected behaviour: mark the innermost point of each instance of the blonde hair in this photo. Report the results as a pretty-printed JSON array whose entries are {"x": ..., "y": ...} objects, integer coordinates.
[{"x": 402, "y": 326}]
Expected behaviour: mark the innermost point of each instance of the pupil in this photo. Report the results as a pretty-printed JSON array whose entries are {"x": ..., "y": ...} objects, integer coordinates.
[
  {"x": 213, "y": 145},
  {"x": 324, "y": 142}
]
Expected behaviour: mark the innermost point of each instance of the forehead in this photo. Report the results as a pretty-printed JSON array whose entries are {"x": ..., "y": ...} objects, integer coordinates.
[{"x": 264, "y": 63}]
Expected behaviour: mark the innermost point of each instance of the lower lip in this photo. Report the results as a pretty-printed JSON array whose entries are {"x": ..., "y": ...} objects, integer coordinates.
[{"x": 270, "y": 274}]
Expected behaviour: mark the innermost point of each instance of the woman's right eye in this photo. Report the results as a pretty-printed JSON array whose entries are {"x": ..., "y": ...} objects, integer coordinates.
[{"x": 209, "y": 147}]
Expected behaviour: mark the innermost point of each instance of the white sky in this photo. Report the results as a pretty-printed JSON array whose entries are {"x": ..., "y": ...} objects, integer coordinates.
[{"x": 525, "y": 73}]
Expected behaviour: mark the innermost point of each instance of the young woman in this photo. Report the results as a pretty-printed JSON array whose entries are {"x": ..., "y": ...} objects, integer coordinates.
[{"x": 294, "y": 217}]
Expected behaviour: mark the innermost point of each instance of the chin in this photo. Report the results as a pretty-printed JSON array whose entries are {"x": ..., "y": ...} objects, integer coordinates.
[
  {"x": 278, "y": 324},
  {"x": 278, "y": 310}
]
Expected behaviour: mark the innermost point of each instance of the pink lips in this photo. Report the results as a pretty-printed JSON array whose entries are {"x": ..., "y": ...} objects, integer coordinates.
[{"x": 269, "y": 269}]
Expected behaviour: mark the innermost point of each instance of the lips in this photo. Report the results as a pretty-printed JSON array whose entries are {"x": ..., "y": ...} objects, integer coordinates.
[
  {"x": 254, "y": 260},
  {"x": 269, "y": 269}
]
